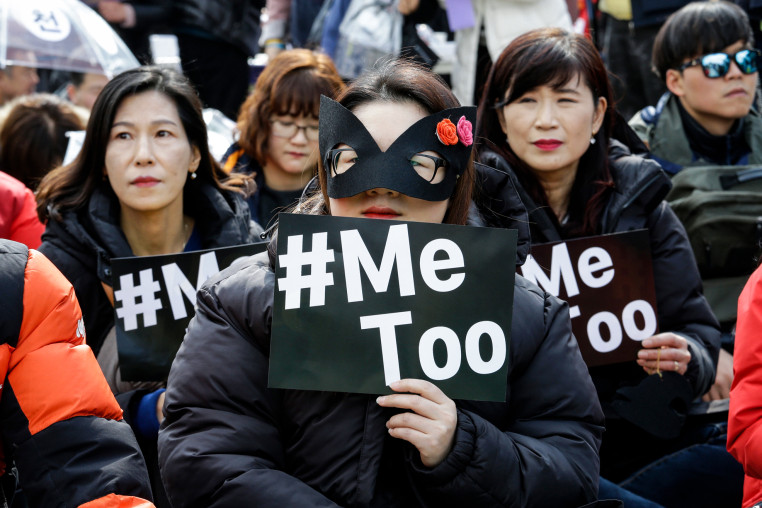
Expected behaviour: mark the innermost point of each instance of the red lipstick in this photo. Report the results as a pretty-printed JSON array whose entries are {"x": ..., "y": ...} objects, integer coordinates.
[
  {"x": 547, "y": 144},
  {"x": 145, "y": 181},
  {"x": 380, "y": 212}
]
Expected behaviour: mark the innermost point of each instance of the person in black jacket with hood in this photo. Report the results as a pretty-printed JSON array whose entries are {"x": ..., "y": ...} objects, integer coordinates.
[
  {"x": 547, "y": 116},
  {"x": 229, "y": 440},
  {"x": 144, "y": 184}
]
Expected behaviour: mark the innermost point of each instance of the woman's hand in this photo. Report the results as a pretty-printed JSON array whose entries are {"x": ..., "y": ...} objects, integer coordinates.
[
  {"x": 724, "y": 379},
  {"x": 160, "y": 407},
  {"x": 430, "y": 427},
  {"x": 664, "y": 352}
]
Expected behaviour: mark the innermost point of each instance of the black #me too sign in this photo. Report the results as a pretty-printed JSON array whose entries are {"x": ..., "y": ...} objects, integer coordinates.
[
  {"x": 155, "y": 299},
  {"x": 609, "y": 285},
  {"x": 360, "y": 303}
]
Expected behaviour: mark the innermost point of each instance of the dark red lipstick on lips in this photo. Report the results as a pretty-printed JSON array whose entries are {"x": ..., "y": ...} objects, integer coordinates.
[
  {"x": 547, "y": 144},
  {"x": 380, "y": 212},
  {"x": 145, "y": 181}
]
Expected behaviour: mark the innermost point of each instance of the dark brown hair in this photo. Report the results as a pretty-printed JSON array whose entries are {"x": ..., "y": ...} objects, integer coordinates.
[
  {"x": 291, "y": 84},
  {"x": 551, "y": 57},
  {"x": 401, "y": 81},
  {"x": 69, "y": 187},
  {"x": 33, "y": 137}
]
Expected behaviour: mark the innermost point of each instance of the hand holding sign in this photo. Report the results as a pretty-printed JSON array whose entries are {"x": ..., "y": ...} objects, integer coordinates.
[
  {"x": 664, "y": 351},
  {"x": 431, "y": 425}
]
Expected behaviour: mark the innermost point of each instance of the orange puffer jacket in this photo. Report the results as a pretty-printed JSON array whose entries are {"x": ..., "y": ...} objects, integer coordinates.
[{"x": 61, "y": 426}]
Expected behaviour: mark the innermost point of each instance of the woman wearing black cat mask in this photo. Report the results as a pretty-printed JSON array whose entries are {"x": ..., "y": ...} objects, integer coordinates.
[{"x": 396, "y": 145}]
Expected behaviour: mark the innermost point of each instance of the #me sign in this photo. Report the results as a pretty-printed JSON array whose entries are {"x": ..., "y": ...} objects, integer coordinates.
[
  {"x": 609, "y": 284},
  {"x": 361, "y": 303},
  {"x": 154, "y": 300}
]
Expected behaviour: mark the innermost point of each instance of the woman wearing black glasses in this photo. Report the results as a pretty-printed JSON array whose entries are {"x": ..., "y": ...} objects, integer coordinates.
[
  {"x": 546, "y": 115},
  {"x": 704, "y": 54},
  {"x": 278, "y": 129}
]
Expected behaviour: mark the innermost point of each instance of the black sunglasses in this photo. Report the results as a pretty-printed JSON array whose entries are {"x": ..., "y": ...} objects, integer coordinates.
[{"x": 716, "y": 65}]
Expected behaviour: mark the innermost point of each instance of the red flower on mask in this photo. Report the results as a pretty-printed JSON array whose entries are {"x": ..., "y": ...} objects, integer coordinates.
[{"x": 447, "y": 133}]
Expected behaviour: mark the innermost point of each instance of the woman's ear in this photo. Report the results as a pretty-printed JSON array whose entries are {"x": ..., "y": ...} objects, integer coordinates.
[
  {"x": 501, "y": 119},
  {"x": 195, "y": 160},
  {"x": 599, "y": 114}
]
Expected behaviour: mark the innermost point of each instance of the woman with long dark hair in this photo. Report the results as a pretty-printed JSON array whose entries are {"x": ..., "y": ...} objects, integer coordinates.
[
  {"x": 144, "y": 184},
  {"x": 547, "y": 116}
]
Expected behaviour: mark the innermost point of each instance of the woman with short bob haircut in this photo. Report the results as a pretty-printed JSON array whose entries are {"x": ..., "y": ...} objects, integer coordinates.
[
  {"x": 277, "y": 129},
  {"x": 547, "y": 116},
  {"x": 275, "y": 447},
  {"x": 144, "y": 184}
]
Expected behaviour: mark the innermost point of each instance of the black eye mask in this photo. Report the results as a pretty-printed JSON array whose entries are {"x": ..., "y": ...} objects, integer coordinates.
[{"x": 392, "y": 169}]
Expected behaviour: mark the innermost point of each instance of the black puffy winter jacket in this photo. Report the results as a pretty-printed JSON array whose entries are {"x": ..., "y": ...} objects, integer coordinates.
[
  {"x": 228, "y": 440},
  {"x": 636, "y": 202}
]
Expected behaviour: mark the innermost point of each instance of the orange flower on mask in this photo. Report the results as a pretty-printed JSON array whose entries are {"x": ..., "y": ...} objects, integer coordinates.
[{"x": 447, "y": 133}]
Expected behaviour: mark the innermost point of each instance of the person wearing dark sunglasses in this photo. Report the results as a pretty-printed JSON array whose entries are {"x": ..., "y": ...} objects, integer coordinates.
[
  {"x": 709, "y": 117},
  {"x": 704, "y": 53},
  {"x": 717, "y": 65}
]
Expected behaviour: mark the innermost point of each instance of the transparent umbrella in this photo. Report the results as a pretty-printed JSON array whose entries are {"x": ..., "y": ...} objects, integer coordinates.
[{"x": 60, "y": 34}]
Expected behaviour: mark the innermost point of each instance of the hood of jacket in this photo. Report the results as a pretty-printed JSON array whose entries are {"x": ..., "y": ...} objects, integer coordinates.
[
  {"x": 94, "y": 236},
  {"x": 663, "y": 127},
  {"x": 499, "y": 205},
  {"x": 639, "y": 184}
]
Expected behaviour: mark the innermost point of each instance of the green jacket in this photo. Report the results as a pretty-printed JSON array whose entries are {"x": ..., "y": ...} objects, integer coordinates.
[{"x": 662, "y": 128}]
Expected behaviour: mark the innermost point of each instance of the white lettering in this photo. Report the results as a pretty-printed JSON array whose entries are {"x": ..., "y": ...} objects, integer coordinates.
[
  {"x": 178, "y": 285},
  {"x": 426, "y": 353},
  {"x": 355, "y": 254},
  {"x": 587, "y": 267},
  {"x": 560, "y": 268},
  {"x": 429, "y": 266},
  {"x": 594, "y": 332},
  {"x": 385, "y": 324},
  {"x": 628, "y": 320},
  {"x": 473, "y": 356}
]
